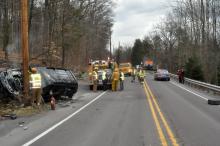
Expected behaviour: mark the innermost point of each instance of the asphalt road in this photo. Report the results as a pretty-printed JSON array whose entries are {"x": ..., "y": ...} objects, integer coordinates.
[
  {"x": 116, "y": 119},
  {"x": 194, "y": 122},
  {"x": 153, "y": 114}
]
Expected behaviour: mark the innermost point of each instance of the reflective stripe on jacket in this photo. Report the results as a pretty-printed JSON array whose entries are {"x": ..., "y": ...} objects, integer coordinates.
[
  {"x": 141, "y": 74},
  {"x": 122, "y": 77},
  {"x": 35, "y": 81},
  {"x": 103, "y": 75},
  {"x": 95, "y": 75},
  {"x": 134, "y": 72}
]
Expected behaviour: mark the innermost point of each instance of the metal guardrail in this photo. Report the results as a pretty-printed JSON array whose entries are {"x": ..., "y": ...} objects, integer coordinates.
[{"x": 201, "y": 85}]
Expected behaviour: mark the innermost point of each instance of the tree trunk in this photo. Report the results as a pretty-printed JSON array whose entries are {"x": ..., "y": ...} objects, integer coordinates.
[
  {"x": 5, "y": 29},
  {"x": 30, "y": 14}
]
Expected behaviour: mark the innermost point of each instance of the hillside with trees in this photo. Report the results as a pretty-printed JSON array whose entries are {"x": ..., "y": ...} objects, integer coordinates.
[
  {"x": 189, "y": 37},
  {"x": 62, "y": 33}
]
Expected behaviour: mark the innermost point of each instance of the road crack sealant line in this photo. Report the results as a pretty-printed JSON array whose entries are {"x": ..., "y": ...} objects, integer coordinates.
[
  {"x": 61, "y": 122},
  {"x": 156, "y": 120},
  {"x": 204, "y": 98},
  {"x": 168, "y": 129}
]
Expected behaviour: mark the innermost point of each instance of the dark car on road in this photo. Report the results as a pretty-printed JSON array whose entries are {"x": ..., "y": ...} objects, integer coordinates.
[
  {"x": 162, "y": 74},
  {"x": 62, "y": 82}
]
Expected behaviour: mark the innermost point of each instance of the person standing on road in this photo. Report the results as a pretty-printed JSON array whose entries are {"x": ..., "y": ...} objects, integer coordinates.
[
  {"x": 141, "y": 76},
  {"x": 115, "y": 78},
  {"x": 182, "y": 74},
  {"x": 35, "y": 86},
  {"x": 112, "y": 66},
  {"x": 104, "y": 80},
  {"x": 138, "y": 74},
  {"x": 122, "y": 78},
  {"x": 133, "y": 74},
  {"x": 109, "y": 64},
  {"x": 95, "y": 79},
  {"x": 179, "y": 75}
]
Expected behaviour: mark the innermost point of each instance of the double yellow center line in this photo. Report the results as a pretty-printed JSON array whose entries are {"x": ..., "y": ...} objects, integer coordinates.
[{"x": 154, "y": 107}]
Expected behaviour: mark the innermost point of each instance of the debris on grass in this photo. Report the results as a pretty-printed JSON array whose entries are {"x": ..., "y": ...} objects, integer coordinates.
[
  {"x": 13, "y": 109},
  {"x": 25, "y": 128}
]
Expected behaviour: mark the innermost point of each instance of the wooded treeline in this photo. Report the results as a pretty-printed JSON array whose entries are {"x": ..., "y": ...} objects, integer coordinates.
[
  {"x": 61, "y": 32},
  {"x": 122, "y": 54},
  {"x": 189, "y": 34}
]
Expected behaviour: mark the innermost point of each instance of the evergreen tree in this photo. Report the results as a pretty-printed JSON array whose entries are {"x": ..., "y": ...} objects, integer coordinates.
[
  {"x": 137, "y": 52},
  {"x": 193, "y": 69},
  {"x": 118, "y": 55}
]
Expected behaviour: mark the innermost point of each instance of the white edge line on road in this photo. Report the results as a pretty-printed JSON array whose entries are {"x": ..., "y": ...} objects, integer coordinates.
[
  {"x": 61, "y": 122},
  {"x": 190, "y": 91}
]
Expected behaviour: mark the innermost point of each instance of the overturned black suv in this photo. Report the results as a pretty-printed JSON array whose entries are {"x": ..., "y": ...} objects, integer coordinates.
[{"x": 61, "y": 82}]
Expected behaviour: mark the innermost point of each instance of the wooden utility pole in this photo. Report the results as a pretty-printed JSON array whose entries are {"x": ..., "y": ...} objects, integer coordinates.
[{"x": 24, "y": 45}]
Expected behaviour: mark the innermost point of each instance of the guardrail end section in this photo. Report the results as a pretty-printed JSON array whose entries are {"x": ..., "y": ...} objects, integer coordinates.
[{"x": 213, "y": 102}]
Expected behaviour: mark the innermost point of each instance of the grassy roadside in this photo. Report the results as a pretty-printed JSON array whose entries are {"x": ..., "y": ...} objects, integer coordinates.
[{"x": 21, "y": 110}]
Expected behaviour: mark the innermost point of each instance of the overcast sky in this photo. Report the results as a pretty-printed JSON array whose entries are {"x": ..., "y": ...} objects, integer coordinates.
[{"x": 136, "y": 18}]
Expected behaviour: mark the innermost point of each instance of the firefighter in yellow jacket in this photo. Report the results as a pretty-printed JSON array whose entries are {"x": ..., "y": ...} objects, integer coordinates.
[
  {"x": 95, "y": 79},
  {"x": 35, "y": 86},
  {"x": 115, "y": 79},
  {"x": 122, "y": 78}
]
